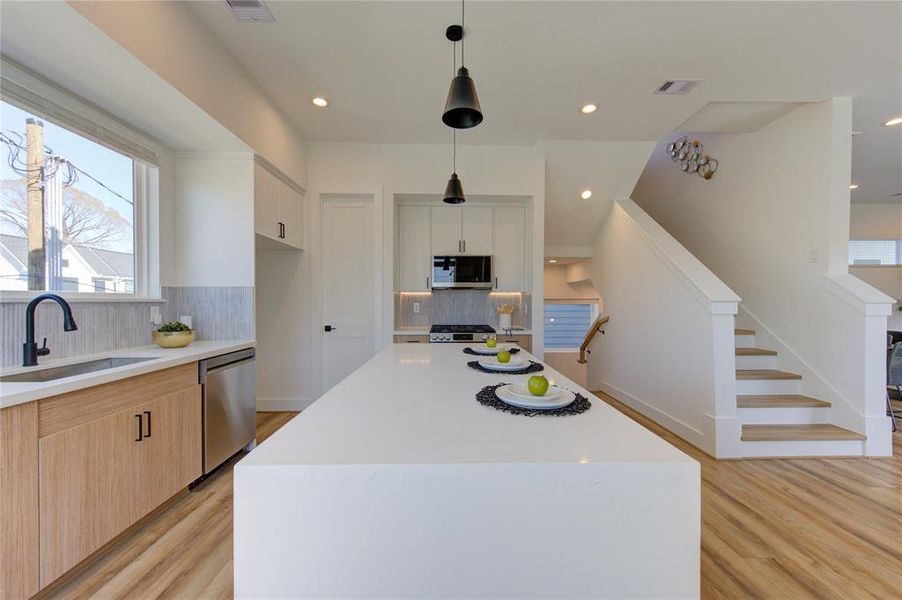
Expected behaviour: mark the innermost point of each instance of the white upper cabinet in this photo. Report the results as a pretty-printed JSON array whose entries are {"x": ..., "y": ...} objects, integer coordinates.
[
  {"x": 446, "y": 231},
  {"x": 277, "y": 208},
  {"x": 509, "y": 251},
  {"x": 477, "y": 230},
  {"x": 414, "y": 253},
  {"x": 461, "y": 230}
]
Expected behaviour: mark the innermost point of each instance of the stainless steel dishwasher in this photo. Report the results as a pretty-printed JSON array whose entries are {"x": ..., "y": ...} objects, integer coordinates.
[{"x": 230, "y": 405}]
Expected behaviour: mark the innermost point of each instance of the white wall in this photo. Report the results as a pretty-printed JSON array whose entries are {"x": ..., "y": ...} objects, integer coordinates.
[
  {"x": 383, "y": 170},
  {"x": 560, "y": 283},
  {"x": 170, "y": 39},
  {"x": 214, "y": 220},
  {"x": 668, "y": 348},
  {"x": 773, "y": 225}
]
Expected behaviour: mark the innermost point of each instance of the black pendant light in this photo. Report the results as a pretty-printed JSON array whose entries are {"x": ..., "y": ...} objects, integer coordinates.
[
  {"x": 454, "y": 191},
  {"x": 462, "y": 109}
]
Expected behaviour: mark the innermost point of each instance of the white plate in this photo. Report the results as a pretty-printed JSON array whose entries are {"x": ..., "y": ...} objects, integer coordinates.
[
  {"x": 488, "y": 351},
  {"x": 515, "y": 364},
  {"x": 561, "y": 399},
  {"x": 521, "y": 391}
]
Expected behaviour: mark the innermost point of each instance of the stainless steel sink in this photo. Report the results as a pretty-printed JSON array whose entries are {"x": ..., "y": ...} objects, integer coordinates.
[{"x": 53, "y": 373}]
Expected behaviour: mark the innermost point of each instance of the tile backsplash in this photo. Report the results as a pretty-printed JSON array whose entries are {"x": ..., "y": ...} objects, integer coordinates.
[
  {"x": 102, "y": 327},
  {"x": 459, "y": 307},
  {"x": 217, "y": 313}
]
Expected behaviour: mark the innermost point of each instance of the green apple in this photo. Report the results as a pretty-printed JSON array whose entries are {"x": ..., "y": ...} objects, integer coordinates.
[
  {"x": 537, "y": 385},
  {"x": 504, "y": 356},
  {"x": 491, "y": 342}
]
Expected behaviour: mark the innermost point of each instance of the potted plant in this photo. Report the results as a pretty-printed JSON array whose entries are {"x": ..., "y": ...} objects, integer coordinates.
[{"x": 173, "y": 335}]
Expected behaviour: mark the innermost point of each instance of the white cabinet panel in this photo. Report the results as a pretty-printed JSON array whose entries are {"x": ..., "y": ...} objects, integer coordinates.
[
  {"x": 266, "y": 203},
  {"x": 290, "y": 214},
  {"x": 414, "y": 255},
  {"x": 477, "y": 230},
  {"x": 509, "y": 252},
  {"x": 446, "y": 232}
]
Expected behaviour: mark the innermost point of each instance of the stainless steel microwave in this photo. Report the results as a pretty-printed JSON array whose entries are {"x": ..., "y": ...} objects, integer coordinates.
[{"x": 462, "y": 272}]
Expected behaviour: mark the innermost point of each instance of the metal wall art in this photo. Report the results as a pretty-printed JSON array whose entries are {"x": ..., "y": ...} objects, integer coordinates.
[{"x": 691, "y": 157}]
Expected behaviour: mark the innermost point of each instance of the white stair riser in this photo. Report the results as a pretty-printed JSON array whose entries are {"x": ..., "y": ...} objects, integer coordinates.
[
  {"x": 802, "y": 448},
  {"x": 772, "y": 387},
  {"x": 796, "y": 415},
  {"x": 745, "y": 341},
  {"x": 756, "y": 362}
]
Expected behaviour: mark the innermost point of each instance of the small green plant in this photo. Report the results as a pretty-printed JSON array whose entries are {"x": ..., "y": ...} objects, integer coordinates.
[{"x": 172, "y": 327}]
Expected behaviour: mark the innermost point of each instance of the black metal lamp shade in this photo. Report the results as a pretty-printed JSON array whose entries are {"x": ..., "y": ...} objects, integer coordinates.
[
  {"x": 454, "y": 191},
  {"x": 462, "y": 109}
]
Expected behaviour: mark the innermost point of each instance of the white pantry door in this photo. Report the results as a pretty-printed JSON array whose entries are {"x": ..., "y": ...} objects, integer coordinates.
[{"x": 349, "y": 286}]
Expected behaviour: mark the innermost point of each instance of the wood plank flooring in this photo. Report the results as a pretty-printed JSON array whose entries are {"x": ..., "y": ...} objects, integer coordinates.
[{"x": 802, "y": 528}]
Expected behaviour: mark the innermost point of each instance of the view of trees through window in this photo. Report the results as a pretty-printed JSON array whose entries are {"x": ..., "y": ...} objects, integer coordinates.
[{"x": 83, "y": 192}]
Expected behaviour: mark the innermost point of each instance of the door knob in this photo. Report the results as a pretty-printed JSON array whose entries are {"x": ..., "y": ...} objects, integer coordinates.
[{"x": 330, "y": 328}]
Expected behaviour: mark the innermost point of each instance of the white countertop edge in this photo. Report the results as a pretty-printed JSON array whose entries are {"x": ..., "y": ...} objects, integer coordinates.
[{"x": 15, "y": 393}]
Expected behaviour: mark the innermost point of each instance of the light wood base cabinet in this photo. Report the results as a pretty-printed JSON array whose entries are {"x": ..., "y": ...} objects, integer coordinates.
[{"x": 101, "y": 459}]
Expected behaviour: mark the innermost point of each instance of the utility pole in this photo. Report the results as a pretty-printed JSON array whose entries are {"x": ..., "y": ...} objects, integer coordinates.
[{"x": 34, "y": 139}]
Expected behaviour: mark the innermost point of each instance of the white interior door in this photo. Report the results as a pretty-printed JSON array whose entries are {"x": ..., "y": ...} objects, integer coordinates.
[{"x": 349, "y": 287}]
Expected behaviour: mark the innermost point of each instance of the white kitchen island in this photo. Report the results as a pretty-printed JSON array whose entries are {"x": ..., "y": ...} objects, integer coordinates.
[{"x": 397, "y": 483}]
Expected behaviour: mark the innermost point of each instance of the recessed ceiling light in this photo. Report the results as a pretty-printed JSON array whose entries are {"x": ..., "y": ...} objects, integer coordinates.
[
  {"x": 552, "y": 261},
  {"x": 586, "y": 194},
  {"x": 853, "y": 186},
  {"x": 588, "y": 109},
  {"x": 893, "y": 122},
  {"x": 320, "y": 102}
]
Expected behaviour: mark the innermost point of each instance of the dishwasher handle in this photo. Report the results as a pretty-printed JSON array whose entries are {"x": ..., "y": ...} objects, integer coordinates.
[{"x": 223, "y": 362}]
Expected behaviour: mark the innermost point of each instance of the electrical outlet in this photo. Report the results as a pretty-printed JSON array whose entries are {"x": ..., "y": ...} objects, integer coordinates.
[
  {"x": 156, "y": 315},
  {"x": 416, "y": 308},
  {"x": 812, "y": 256}
]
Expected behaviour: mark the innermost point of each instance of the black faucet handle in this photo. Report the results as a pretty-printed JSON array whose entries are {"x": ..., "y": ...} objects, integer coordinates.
[{"x": 44, "y": 350}]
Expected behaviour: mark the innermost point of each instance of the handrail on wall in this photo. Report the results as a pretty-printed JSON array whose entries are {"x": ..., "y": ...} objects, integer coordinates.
[{"x": 590, "y": 335}]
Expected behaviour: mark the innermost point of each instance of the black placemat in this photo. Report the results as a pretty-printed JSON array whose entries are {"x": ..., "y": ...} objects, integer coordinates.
[
  {"x": 469, "y": 350},
  {"x": 487, "y": 397},
  {"x": 534, "y": 367}
]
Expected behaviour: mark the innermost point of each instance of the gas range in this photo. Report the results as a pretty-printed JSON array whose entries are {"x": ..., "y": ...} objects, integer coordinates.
[{"x": 459, "y": 333}]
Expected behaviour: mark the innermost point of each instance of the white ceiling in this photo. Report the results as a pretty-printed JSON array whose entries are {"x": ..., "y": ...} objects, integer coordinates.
[{"x": 385, "y": 67}]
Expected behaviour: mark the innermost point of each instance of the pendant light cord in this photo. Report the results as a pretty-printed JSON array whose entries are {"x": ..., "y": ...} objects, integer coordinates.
[
  {"x": 463, "y": 33},
  {"x": 454, "y": 151}
]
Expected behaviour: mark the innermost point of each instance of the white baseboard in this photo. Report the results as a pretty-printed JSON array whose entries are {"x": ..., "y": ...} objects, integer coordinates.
[
  {"x": 283, "y": 404},
  {"x": 689, "y": 433}
]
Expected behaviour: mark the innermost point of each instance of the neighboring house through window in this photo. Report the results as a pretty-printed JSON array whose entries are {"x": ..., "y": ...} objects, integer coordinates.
[{"x": 875, "y": 252}]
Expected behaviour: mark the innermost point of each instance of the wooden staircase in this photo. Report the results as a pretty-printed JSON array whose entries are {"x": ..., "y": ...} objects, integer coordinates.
[{"x": 777, "y": 420}]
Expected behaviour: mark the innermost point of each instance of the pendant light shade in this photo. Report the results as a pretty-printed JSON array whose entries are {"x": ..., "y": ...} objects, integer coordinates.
[
  {"x": 454, "y": 191},
  {"x": 462, "y": 109}
]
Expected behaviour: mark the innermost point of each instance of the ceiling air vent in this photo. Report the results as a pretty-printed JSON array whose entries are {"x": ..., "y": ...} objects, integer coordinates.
[
  {"x": 254, "y": 11},
  {"x": 677, "y": 87}
]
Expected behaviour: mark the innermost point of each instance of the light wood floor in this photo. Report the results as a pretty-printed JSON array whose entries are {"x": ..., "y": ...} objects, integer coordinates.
[{"x": 805, "y": 528}]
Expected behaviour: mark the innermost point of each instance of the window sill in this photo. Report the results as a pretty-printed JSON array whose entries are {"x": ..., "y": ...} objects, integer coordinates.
[{"x": 21, "y": 297}]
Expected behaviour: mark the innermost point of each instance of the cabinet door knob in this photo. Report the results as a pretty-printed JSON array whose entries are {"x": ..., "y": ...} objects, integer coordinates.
[{"x": 140, "y": 429}]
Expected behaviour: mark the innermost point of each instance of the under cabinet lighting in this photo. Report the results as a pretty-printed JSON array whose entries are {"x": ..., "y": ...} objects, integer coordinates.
[
  {"x": 853, "y": 186},
  {"x": 893, "y": 122},
  {"x": 552, "y": 261}
]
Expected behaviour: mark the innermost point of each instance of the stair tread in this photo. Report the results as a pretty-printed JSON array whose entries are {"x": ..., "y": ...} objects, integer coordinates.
[
  {"x": 778, "y": 401},
  {"x": 741, "y": 331},
  {"x": 765, "y": 374},
  {"x": 755, "y": 352},
  {"x": 798, "y": 433}
]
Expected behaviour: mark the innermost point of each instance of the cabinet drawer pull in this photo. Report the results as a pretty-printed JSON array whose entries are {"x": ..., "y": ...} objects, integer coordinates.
[
  {"x": 140, "y": 428},
  {"x": 147, "y": 412}
]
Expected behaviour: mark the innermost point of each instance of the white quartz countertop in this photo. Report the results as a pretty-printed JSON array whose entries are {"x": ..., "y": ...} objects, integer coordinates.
[
  {"x": 14, "y": 393},
  {"x": 415, "y": 404}
]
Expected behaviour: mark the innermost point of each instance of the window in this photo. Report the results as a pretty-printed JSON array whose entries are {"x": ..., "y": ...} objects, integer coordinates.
[
  {"x": 875, "y": 252},
  {"x": 84, "y": 194},
  {"x": 566, "y": 324}
]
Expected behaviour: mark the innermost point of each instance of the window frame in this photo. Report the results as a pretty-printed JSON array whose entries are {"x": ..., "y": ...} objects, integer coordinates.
[
  {"x": 898, "y": 242},
  {"x": 595, "y": 311},
  {"x": 44, "y": 99}
]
